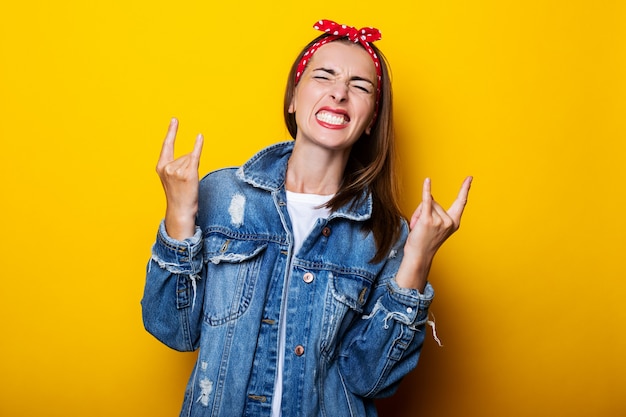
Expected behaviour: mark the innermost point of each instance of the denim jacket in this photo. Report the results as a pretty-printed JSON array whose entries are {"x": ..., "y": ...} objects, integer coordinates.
[{"x": 352, "y": 332}]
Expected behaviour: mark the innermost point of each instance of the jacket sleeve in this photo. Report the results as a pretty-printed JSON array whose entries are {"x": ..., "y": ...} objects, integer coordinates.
[
  {"x": 385, "y": 343},
  {"x": 173, "y": 292}
]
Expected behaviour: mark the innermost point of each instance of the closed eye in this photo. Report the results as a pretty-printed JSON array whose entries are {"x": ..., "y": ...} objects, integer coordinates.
[
  {"x": 361, "y": 88},
  {"x": 323, "y": 73},
  {"x": 362, "y": 85}
]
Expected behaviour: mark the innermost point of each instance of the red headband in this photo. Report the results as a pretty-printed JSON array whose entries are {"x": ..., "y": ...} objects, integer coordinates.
[{"x": 364, "y": 36}]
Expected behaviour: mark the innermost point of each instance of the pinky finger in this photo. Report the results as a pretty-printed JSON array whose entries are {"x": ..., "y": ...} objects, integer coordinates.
[
  {"x": 456, "y": 210},
  {"x": 197, "y": 148}
]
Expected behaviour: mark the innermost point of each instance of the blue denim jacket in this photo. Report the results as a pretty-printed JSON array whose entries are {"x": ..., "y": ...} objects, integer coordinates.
[{"x": 352, "y": 333}]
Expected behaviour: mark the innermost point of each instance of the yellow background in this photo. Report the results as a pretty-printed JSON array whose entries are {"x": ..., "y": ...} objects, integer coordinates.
[{"x": 529, "y": 97}]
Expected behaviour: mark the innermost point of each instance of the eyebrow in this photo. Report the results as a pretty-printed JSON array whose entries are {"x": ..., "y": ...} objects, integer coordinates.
[{"x": 354, "y": 78}]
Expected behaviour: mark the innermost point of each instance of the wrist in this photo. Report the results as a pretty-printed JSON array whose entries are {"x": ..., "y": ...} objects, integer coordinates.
[
  {"x": 413, "y": 272},
  {"x": 180, "y": 227}
]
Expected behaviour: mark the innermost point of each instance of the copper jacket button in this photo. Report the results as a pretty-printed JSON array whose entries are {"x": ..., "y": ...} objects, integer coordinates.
[{"x": 299, "y": 350}]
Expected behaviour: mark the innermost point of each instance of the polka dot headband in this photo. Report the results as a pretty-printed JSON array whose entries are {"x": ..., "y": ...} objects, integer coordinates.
[{"x": 364, "y": 36}]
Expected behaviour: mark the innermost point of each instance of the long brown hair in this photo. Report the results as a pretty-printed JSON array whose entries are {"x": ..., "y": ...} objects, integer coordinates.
[{"x": 370, "y": 167}]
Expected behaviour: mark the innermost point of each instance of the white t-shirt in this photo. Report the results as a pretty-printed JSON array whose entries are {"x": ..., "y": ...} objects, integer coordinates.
[{"x": 304, "y": 210}]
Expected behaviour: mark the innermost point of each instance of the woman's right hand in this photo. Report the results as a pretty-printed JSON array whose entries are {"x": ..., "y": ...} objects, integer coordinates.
[{"x": 180, "y": 181}]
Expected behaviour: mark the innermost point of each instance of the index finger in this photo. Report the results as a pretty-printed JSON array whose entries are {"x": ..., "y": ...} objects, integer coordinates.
[
  {"x": 456, "y": 209},
  {"x": 167, "y": 150}
]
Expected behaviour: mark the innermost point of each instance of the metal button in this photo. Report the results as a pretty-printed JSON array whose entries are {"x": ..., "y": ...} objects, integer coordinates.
[
  {"x": 326, "y": 231},
  {"x": 308, "y": 277},
  {"x": 299, "y": 350},
  {"x": 261, "y": 398}
]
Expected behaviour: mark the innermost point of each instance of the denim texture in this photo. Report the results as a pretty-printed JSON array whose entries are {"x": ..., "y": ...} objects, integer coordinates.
[{"x": 352, "y": 333}]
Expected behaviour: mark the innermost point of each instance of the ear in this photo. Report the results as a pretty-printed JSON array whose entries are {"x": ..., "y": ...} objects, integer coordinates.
[
  {"x": 292, "y": 105},
  {"x": 368, "y": 130},
  {"x": 370, "y": 125}
]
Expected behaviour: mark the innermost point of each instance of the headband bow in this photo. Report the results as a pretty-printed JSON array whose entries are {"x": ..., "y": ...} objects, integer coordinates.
[{"x": 364, "y": 36}]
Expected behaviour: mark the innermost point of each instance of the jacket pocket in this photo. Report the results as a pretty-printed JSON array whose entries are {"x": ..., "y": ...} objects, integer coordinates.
[
  {"x": 345, "y": 300},
  {"x": 351, "y": 290},
  {"x": 232, "y": 272}
]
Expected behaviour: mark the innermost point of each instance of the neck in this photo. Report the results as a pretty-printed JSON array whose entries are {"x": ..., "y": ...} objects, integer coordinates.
[{"x": 312, "y": 170}]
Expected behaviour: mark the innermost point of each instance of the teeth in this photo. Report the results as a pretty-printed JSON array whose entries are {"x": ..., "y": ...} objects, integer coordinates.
[{"x": 330, "y": 118}]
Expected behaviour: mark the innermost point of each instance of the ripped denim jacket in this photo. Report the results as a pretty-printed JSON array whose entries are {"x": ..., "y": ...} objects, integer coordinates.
[{"x": 352, "y": 333}]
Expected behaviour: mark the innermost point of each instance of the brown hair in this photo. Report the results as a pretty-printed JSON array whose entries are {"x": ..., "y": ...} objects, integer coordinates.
[{"x": 370, "y": 167}]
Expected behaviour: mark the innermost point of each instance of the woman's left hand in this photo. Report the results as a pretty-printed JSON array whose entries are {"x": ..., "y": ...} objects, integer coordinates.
[{"x": 430, "y": 226}]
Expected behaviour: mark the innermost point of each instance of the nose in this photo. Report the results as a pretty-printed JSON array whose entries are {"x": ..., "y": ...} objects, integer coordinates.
[{"x": 339, "y": 92}]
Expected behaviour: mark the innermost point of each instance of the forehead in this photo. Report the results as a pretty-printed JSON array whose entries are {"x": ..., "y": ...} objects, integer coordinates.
[{"x": 346, "y": 56}]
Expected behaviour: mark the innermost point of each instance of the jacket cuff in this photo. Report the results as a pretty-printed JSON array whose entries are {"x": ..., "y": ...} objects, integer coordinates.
[
  {"x": 176, "y": 256},
  {"x": 408, "y": 305}
]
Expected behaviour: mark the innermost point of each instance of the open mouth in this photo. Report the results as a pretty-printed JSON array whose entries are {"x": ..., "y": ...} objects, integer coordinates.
[{"x": 332, "y": 118}]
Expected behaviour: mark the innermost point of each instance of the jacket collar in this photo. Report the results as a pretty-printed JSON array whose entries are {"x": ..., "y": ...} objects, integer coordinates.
[{"x": 267, "y": 170}]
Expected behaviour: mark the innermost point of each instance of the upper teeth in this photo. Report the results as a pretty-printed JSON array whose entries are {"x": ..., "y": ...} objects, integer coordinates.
[{"x": 330, "y": 118}]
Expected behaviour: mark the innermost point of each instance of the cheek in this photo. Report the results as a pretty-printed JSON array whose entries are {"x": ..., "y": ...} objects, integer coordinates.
[
  {"x": 303, "y": 102},
  {"x": 366, "y": 107}
]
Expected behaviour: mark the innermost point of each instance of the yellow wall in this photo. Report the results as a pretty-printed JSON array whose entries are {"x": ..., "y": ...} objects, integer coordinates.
[{"x": 529, "y": 97}]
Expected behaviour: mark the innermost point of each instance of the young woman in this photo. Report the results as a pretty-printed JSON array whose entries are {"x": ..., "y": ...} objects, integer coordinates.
[{"x": 296, "y": 276}]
